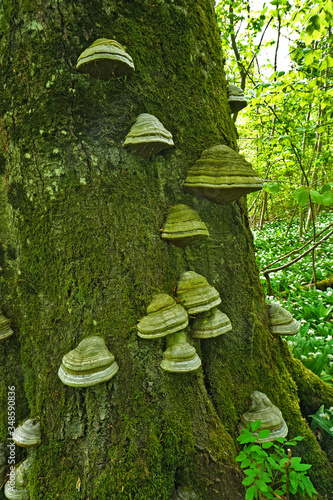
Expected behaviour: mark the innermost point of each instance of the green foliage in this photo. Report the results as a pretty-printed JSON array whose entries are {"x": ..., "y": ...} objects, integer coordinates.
[
  {"x": 266, "y": 471},
  {"x": 323, "y": 418},
  {"x": 285, "y": 129},
  {"x": 313, "y": 345}
]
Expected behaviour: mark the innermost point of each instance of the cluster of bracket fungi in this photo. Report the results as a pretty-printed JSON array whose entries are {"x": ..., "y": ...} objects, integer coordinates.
[
  {"x": 26, "y": 435},
  {"x": 222, "y": 176}
]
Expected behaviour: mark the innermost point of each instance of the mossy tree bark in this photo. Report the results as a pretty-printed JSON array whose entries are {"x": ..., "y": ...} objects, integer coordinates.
[{"x": 81, "y": 255}]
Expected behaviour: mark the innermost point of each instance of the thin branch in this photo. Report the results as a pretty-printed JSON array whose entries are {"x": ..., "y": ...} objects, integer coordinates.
[
  {"x": 275, "y": 269},
  {"x": 287, "y": 466},
  {"x": 296, "y": 250}
]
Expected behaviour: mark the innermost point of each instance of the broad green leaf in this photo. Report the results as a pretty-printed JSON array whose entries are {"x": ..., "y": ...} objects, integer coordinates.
[
  {"x": 251, "y": 472},
  {"x": 267, "y": 444},
  {"x": 250, "y": 492},
  {"x": 315, "y": 22},
  {"x": 295, "y": 461},
  {"x": 302, "y": 467},
  {"x": 303, "y": 198},
  {"x": 327, "y": 62},
  {"x": 246, "y": 438},
  {"x": 327, "y": 198},
  {"x": 242, "y": 456},
  {"x": 308, "y": 485},
  {"x": 256, "y": 448},
  {"x": 316, "y": 197},
  {"x": 273, "y": 463},
  {"x": 308, "y": 58},
  {"x": 274, "y": 187},
  {"x": 298, "y": 191},
  {"x": 262, "y": 486},
  {"x": 326, "y": 187},
  {"x": 246, "y": 463},
  {"x": 264, "y": 433},
  {"x": 293, "y": 478},
  {"x": 255, "y": 426},
  {"x": 247, "y": 481}
]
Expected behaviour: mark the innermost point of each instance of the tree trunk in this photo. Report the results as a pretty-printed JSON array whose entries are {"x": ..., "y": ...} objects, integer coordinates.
[{"x": 82, "y": 255}]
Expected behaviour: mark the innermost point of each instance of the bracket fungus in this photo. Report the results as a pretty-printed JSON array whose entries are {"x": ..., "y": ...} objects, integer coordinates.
[
  {"x": 28, "y": 434},
  {"x": 282, "y": 321},
  {"x": 271, "y": 417},
  {"x": 196, "y": 293},
  {"x": 148, "y": 136},
  {"x": 236, "y": 98},
  {"x": 90, "y": 363},
  {"x": 16, "y": 486},
  {"x": 179, "y": 355},
  {"x": 165, "y": 316},
  {"x": 183, "y": 226},
  {"x": 105, "y": 59},
  {"x": 221, "y": 175},
  {"x": 210, "y": 324},
  {"x": 168, "y": 319},
  {"x": 5, "y": 330}
]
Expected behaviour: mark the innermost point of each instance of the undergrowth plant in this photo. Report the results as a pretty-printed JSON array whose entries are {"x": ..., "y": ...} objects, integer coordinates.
[
  {"x": 270, "y": 470},
  {"x": 313, "y": 345}
]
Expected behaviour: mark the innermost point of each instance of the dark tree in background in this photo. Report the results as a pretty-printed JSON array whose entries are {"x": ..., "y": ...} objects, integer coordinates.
[{"x": 82, "y": 255}]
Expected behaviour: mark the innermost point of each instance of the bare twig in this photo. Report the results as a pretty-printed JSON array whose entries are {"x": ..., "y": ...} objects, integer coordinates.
[
  {"x": 275, "y": 269},
  {"x": 287, "y": 466},
  {"x": 296, "y": 250}
]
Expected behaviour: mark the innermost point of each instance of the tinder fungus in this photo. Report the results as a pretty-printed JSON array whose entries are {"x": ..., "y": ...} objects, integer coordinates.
[
  {"x": 179, "y": 356},
  {"x": 28, "y": 434},
  {"x": 183, "y": 226},
  {"x": 165, "y": 316},
  {"x": 236, "y": 98},
  {"x": 270, "y": 416},
  {"x": 210, "y": 324},
  {"x": 90, "y": 363},
  {"x": 168, "y": 319},
  {"x": 148, "y": 136},
  {"x": 196, "y": 293},
  {"x": 16, "y": 486},
  {"x": 105, "y": 59},
  {"x": 221, "y": 175},
  {"x": 5, "y": 330},
  {"x": 282, "y": 321}
]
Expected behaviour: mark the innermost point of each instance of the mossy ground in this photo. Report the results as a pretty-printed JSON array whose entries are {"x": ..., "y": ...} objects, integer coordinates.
[{"x": 82, "y": 255}]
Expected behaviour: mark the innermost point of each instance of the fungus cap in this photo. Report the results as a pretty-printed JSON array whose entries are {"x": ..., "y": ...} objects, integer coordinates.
[
  {"x": 180, "y": 356},
  {"x": 20, "y": 492},
  {"x": 90, "y": 363},
  {"x": 148, "y": 136},
  {"x": 183, "y": 226},
  {"x": 236, "y": 98},
  {"x": 28, "y": 434},
  {"x": 271, "y": 417},
  {"x": 5, "y": 330},
  {"x": 210, "y": 324},
  {"x": 282, "y": 321},
  {"x": 196, "y": 293},
  {"x": 105, "y": 59},
  {"x": 221, "y": 175},
  {"x": 165, "y": 316}
]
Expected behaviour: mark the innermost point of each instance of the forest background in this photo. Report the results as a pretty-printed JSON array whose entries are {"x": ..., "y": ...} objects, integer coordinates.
[{"x": 280, "y": 54}]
